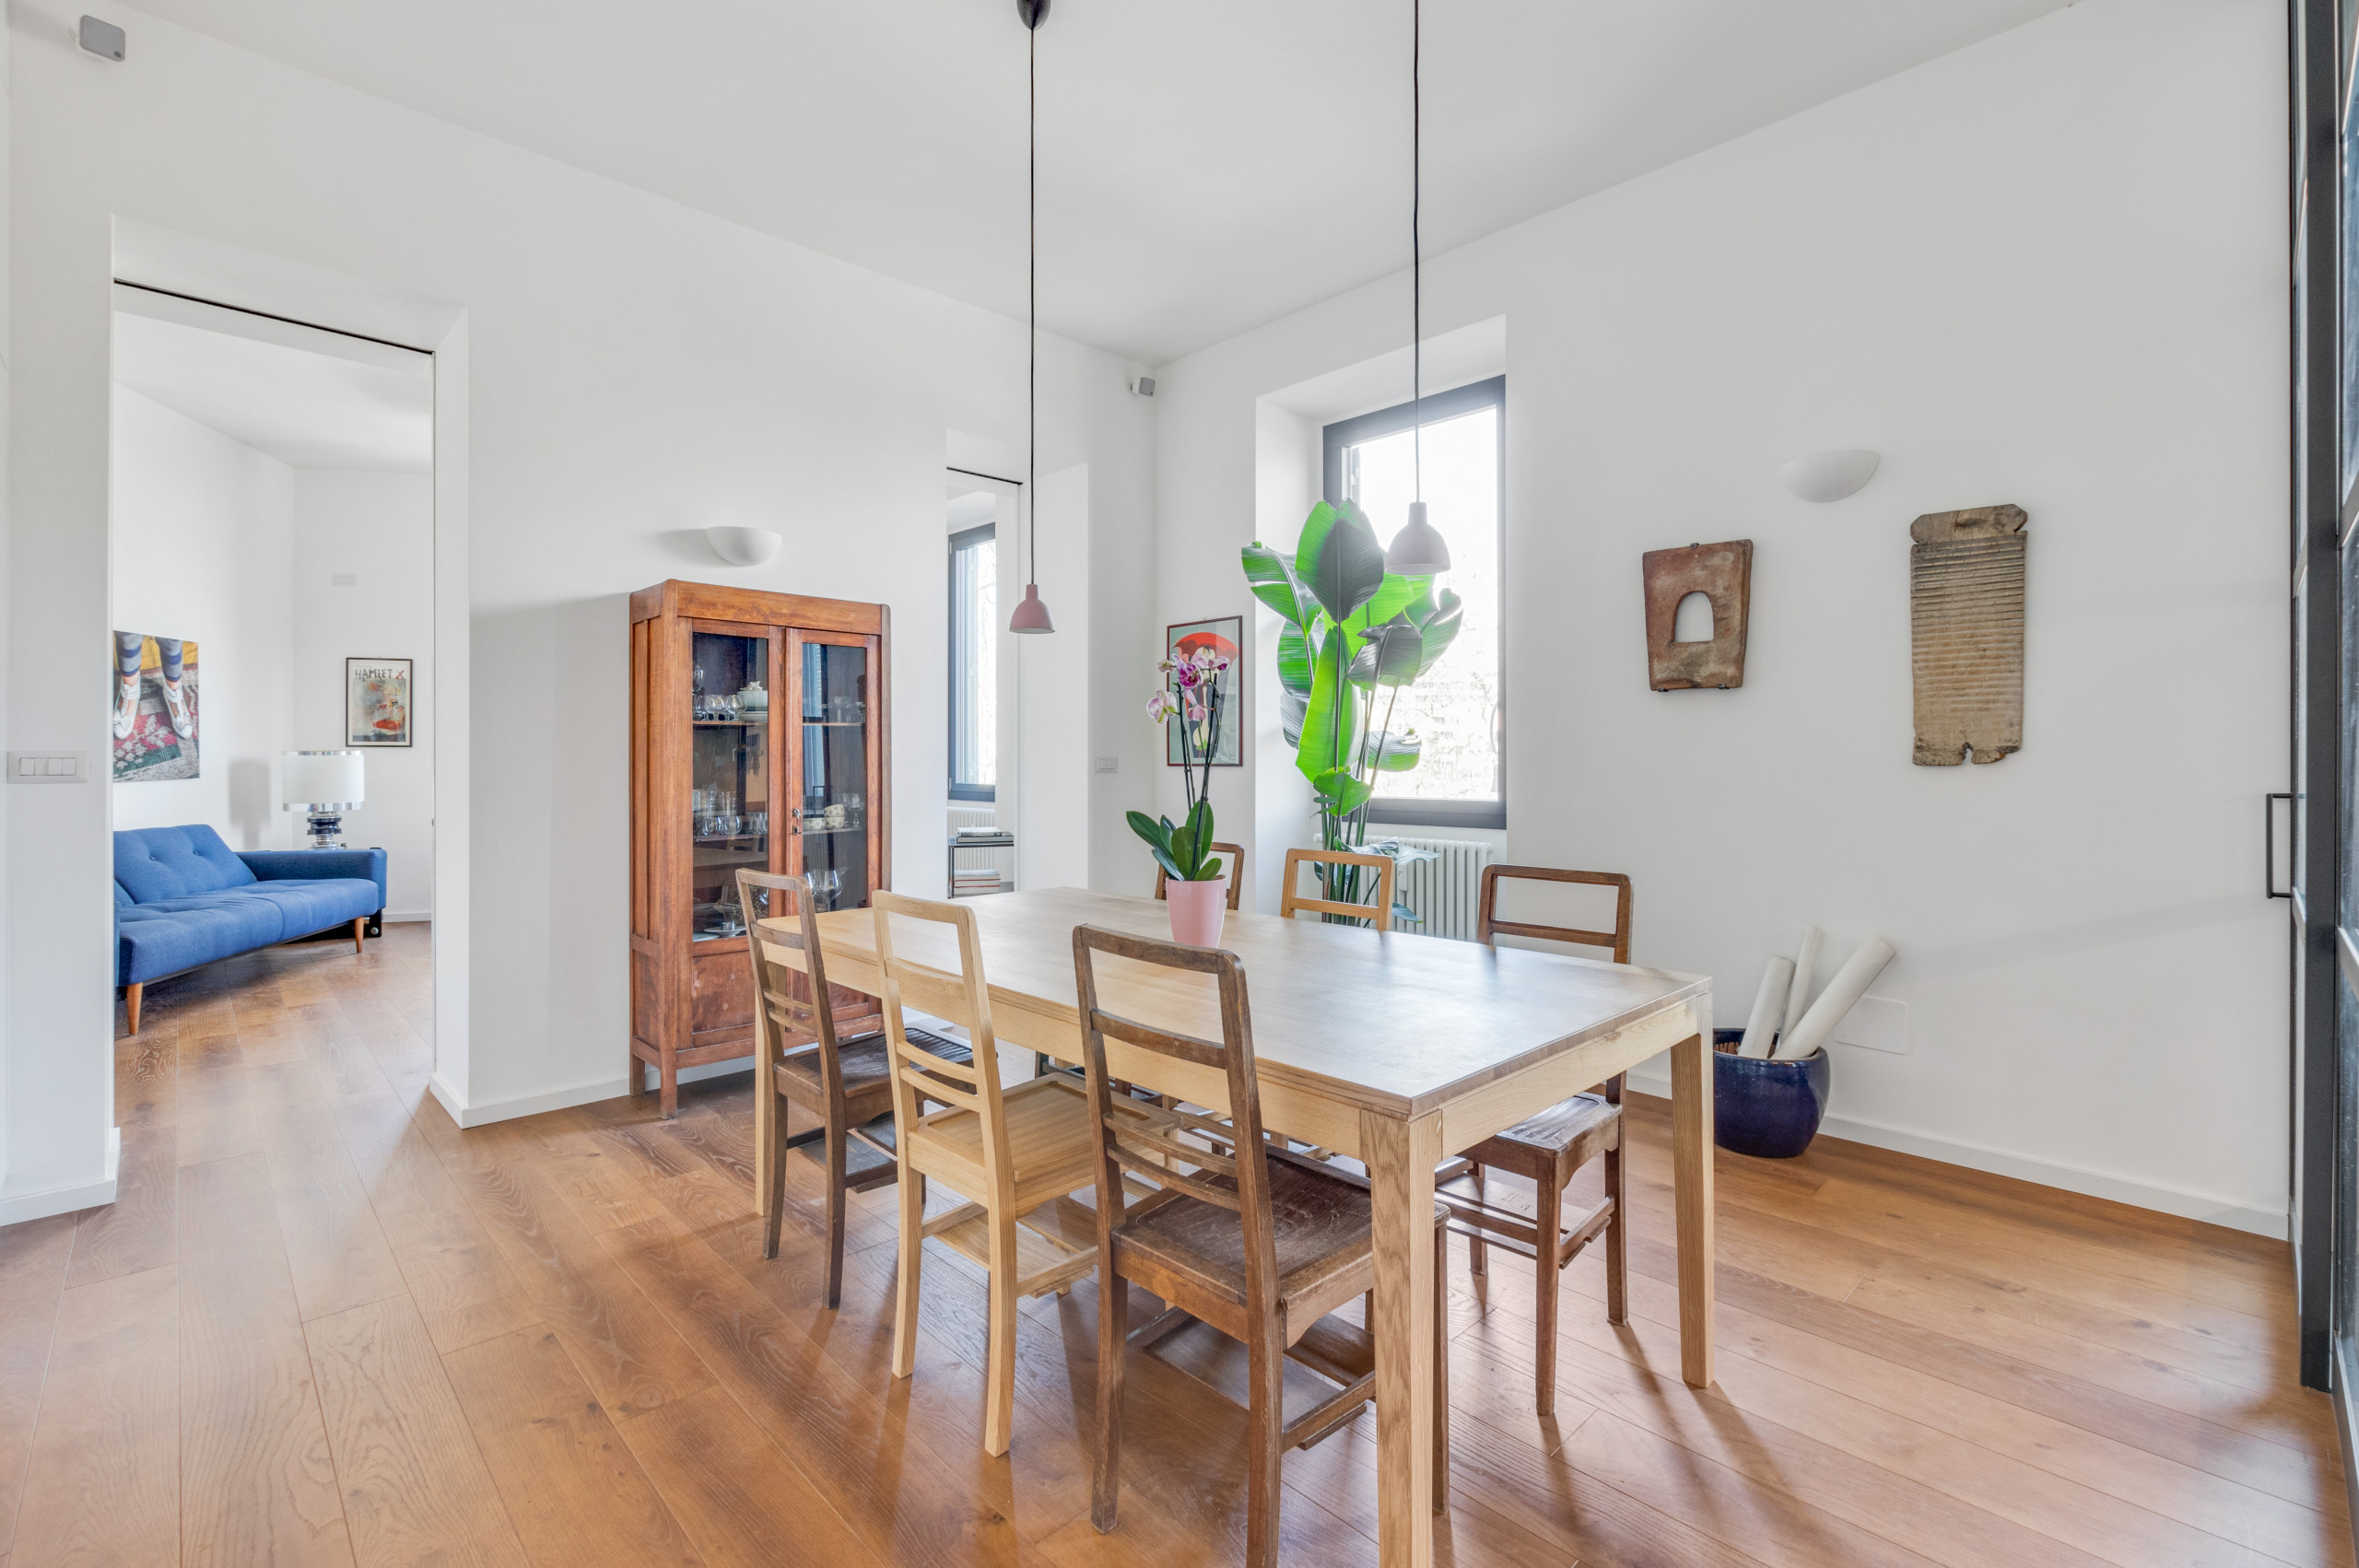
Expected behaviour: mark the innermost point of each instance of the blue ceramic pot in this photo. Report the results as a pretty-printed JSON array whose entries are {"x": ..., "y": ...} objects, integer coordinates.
[{"x": 1768, "y": 1109}]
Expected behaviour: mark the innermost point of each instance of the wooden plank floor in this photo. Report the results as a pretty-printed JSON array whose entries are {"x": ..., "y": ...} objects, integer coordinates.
[{"x": 325, "y": 1326}]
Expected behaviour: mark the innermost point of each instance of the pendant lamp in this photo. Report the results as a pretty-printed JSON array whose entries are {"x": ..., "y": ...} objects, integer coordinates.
[
  {"x": 1031, "y": 616},
  {"x": 1419, "y": 550}
]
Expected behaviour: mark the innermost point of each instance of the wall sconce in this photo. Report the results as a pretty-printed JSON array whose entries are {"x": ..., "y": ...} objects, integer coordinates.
[
  {"x": 1829, "y": 476},
  {"x": 742, "y": 547}
]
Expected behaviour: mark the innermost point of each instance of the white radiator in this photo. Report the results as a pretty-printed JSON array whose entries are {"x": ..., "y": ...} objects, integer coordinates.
[
  {"x": 1446, "y": 893},
  {"x": 1001, "y": 861}
]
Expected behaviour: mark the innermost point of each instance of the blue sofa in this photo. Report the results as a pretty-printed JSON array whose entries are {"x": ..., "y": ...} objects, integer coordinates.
[{"x": 184, "y": 899}]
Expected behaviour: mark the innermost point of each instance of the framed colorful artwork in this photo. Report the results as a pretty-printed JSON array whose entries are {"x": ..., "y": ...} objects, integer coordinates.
[
  {"x": 155, "y": 707},
  {"x": 376, "y": 702},
  {"x": 1224, "y": 635}
]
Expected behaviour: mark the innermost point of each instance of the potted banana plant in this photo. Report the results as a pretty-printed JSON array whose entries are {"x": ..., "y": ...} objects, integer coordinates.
[{"x": 1355, "y": 634}]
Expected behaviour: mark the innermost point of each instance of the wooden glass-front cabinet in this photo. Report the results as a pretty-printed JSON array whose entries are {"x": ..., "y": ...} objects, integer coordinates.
[{"x": 760, "y": 737}]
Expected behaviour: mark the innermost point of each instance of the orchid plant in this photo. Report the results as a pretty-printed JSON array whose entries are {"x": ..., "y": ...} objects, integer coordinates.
[{"x": 1192, "y": 695}]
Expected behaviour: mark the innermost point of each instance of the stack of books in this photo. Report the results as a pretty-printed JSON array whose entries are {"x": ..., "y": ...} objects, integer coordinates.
[{"x": 976, "y": 879}]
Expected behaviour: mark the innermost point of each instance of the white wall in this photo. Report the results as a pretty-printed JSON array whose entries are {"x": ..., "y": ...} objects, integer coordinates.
[
  {"x": 633, "y": 371},
  {"x": 378, "y": 528},
  {"x": 2047, "y": 269},
  {"x": 202, "y": 535}
]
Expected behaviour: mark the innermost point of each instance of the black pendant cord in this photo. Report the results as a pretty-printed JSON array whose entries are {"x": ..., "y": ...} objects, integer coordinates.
[
  {"x": 1032, "y": 246},
  {"x": 1416, "y": 238}
]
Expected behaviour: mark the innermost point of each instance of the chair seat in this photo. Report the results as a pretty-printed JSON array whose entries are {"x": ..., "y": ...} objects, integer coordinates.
[
  {"x": 867, "y": 1063},
  {"x": 1321, "y": 1223},
  {"x": 1576, "y": 1128},
  {"x": 1047, "y": 1142}
]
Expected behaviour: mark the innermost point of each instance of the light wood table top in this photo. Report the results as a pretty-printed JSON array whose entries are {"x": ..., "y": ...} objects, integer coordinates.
[
  {"x": 1393, "y": 1022},
  {"x": 1395, "y": 1048}
]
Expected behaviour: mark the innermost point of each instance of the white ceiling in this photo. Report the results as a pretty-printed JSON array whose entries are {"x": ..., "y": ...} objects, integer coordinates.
[
  {"x": 1206, "y": 165},
  {"x": 305, "y": 408}
]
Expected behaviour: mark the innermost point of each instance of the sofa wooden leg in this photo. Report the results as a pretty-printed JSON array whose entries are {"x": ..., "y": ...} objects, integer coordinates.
[
  {"x": 132, "y": 995},
  {"x": 358, "y": 927}
]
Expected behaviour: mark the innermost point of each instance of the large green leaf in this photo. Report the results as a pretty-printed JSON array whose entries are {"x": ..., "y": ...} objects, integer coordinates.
[
  {"x": 1330, "y": 722},
  {"x": 1292, "y": 706},
  {"x": 1392, "y": 656},
  {"x": 1293, "y": 659},
  {"x": 1396, "y": 594},
  {"x": 1348, "y": 565},
  {"x": 1271, "y": 578},
  {"x": 1340, "y": 793},
  {"x": 1388, "y": 753},
  {"x": 1314, "y": 530},
  {"x": 1439, "y": 629}
]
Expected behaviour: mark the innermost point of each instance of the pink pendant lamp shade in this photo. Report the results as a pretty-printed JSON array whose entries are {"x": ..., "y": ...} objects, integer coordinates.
[{"x": 1031, "y": 615}]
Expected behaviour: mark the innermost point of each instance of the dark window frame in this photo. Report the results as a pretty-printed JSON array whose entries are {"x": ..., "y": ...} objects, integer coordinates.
[
  {"x": 965, "y": 539},
  {"x": 1432, "y": 409}
]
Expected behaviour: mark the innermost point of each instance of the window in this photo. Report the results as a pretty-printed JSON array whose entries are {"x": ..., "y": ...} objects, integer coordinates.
[
  {"x": 1459, "y": 779},
  {"x": 974, "y": 664}
]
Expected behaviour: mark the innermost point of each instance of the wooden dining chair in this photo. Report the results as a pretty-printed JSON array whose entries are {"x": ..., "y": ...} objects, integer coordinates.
[
  {"x": 836, "y": 1068},
  {"x": 1259, "y": 1243},
  {"x": 1549, "y": 1147},
  {"x": 1016, "y": 1154},
  {"x": 1290, "y": 899},
  {"x": 1235, "y": 857}
]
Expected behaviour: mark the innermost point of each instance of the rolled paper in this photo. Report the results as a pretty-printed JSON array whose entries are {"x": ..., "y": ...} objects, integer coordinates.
[
  {"x": 1851, "y": 982},
  {"x": 1769, "y": 1008},
  {"x": 1805, "y": 966}
]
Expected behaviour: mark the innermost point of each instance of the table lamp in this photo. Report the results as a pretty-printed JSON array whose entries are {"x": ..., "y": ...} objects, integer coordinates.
[{"x": 324, "y": 786}]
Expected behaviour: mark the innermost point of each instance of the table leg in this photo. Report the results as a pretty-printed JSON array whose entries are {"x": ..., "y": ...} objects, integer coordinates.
[
  {"x": 1400, "y": 1156},
  {"x": 1691, "y": 1157}
]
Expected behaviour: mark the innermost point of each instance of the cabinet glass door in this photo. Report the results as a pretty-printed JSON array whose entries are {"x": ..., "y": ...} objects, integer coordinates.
[
  {"x": 833, "y": 824},
  {"x": 728, "y": 786}
]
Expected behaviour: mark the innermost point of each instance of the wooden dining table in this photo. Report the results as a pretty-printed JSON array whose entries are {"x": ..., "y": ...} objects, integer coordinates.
[{"x": 1395, "y": 1049}]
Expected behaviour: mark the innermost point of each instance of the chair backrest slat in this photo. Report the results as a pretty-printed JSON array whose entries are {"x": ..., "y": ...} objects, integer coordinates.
[
  {"x": 1487, "y": 924},
  {"x": 1380, "y": 912},
  {"x": 791, "y": 1002},
  {"x": 1232, "y": 856},
  {"x": 1129, "y": 1134}
]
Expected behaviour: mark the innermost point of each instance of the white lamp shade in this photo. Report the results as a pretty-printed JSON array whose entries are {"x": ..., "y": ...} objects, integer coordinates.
[
  {"x": 1828, "y": 477},
  {"x": 320, "y": 778},
  {"x": 742, "y": 547}
]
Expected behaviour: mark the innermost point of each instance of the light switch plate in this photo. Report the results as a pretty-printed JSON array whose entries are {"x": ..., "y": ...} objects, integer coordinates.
[
  {"x": 49, "y": 768},
  {"x": 1109, "y": 764},
  {"x": 1875, "y": 1024}
]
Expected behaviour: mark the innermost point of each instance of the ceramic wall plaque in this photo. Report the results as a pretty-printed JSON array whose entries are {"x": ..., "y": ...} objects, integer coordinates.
[{"x": 1722, "y": 574}]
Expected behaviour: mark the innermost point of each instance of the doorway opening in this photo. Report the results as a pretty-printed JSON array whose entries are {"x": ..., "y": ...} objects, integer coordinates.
[{"x": 271, "y": 541}]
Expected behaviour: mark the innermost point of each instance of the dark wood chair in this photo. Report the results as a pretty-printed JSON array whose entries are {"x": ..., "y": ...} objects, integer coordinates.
[
  {"x": 1549, "y": 1148},
  {"x": 1236, "y": 855},
  {"x": 845, "y": 1082},
  {"x": 1257, "y": 1242}
]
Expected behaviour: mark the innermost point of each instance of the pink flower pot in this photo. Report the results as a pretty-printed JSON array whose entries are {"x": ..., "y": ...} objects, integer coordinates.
[{"x": 1196, "y": 910}]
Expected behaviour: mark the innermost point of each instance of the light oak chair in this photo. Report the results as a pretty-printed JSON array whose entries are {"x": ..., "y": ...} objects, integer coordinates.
[
  {"x": 1291, "y": 900},
  {"x": 844, "y": 1082},
  {"x": 1014, "y": 1154},
  {"x": 1259, "y": 1243},
  {"x": 1550, "y": 1147},
  {"x": 1236, "y": 882}
]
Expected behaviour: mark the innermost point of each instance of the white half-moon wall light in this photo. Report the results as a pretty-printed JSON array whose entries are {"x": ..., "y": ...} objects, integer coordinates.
[
  {"x": 1829, "y": 476},
  {"x": 742, "y": 547}
]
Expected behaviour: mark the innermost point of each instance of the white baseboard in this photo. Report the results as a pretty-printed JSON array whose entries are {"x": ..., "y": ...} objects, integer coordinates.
[
  {"x": 2044, "y": 1173},
  {"x": 597, "y": 1089},
  {"x": 16, "y": 1208},
  {"x": 398, "y": 916}
]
